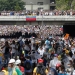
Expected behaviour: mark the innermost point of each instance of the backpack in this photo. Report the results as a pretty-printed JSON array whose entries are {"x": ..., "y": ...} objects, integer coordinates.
[
  {"x": 41, "y": 70},
  {"x": 27, "y": 65}
]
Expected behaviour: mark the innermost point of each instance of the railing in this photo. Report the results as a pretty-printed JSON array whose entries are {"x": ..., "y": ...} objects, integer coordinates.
[{"x": 38, "y": 18}]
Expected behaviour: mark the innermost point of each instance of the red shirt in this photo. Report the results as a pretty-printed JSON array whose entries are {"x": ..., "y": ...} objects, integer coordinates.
[{"x": 21, "y": 68}]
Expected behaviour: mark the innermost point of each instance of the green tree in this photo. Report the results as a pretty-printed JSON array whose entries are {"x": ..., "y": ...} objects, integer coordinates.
[
  {"x": 2, "y": 4},
  {"x": 60, "y": 4},
  {"x": 65, "y": 4},
  {"x": 17, "y": 7},
  {"x": 73, "y": 5},
  {"x": 11, "y": 4}
]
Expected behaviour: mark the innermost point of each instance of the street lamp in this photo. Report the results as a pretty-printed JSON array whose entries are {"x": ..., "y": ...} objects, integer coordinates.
[
  {"x": 42, "y": 15},
  {"x": 31, "y": 6}
]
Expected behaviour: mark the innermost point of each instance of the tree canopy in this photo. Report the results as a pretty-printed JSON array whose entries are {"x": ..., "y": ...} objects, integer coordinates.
[
  {"x": 11, "y": 5},
  {"x": 65, "y": 4}
]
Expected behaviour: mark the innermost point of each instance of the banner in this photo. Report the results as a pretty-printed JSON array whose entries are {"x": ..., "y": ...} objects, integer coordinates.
[{"x": 30, "y": 18}]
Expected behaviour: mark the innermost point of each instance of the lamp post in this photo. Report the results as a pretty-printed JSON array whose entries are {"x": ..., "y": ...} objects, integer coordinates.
[
  {"x": 42, "y": 15},
  {"x": 31, "y": 6}
]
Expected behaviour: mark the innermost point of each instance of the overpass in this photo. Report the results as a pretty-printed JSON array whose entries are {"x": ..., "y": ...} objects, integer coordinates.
[{"x": 39, "y": 20}]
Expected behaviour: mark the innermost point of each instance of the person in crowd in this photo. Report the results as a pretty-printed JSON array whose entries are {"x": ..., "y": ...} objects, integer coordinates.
[
  {"x": 40, "y": 69},
  {"x": 4, "y": 72},
  {"x": 47, "y": 43},
  {"x": 21, "y": 43},
  {"x": 62, "y": 71},
  {"x": 28, "y": 66},
  {"x": 18, "y": 65},
  {"x": 13, "y": 51},
  {"x": 7, "y": 51},
  {"x": 41, "y": 51},
  {"x": 11, "y": 67},
  {"x": 54, "y": 61}
]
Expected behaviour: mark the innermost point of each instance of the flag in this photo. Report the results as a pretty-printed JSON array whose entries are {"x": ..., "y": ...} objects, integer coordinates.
[
  {"x": 30, "y": 18},
  {"x": 66, "y": 36}
]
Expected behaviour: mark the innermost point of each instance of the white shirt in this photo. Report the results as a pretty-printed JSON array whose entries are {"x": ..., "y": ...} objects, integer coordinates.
[
  {"x": 13, "y": 48},
  {"x": 41, "y": 51},
  {"x": 54, "y": 62}
]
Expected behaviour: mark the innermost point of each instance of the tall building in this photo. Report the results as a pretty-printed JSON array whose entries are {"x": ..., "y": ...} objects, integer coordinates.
[{"x": 39, "y": 4}]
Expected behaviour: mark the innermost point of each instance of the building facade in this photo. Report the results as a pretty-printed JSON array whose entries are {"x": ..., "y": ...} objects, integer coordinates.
[{"x": 39, "y": 4}]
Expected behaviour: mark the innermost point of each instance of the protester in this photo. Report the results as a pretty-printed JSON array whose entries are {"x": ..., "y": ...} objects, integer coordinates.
[
  {"x": 11, "y": 67},
  {"x": 18, "y": 63},
  {"x": 40, "y": 69}
]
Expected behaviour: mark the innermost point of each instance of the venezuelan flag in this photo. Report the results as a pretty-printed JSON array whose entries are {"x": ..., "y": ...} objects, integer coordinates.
[{"x": 30, "y": 18}]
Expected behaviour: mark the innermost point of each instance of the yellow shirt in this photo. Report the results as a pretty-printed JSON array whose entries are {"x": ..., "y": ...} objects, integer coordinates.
[
  {"x": 5, "y": 72},
  {"x": 34, "y": 71},
  {"x": 14, "y": 72}
]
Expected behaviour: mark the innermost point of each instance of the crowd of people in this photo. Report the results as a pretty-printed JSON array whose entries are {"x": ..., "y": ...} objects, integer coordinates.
[
  {"x": 15, "y": 31},
  {"x": 51, "y": 54},
  {"x": 38, "y": 13}
]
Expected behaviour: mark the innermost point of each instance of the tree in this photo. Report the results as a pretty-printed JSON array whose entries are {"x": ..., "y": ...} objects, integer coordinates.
[
  {"x": 60, "y": 4},
  {"x": 65, "y": 4},
  {"x": 17, "y": 7},
  {"x": 11, "y": 5},
  {"x": 2, "y": 4},
  {"x": 73, "y": 4}
]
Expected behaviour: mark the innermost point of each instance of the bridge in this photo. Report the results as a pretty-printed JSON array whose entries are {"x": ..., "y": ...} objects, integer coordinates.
[{"x": 37, "y": 20}]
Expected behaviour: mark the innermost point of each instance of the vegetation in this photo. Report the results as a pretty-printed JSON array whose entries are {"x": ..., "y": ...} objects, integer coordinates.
[
  {"x": 65, "y": 4},
  {"x": 11, "y": 5}
]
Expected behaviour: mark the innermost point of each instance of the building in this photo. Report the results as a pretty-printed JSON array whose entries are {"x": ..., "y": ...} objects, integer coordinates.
[{"x": 39, "y": 4}]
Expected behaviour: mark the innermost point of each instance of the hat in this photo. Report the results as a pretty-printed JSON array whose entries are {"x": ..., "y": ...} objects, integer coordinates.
[
  {"x": 58, "y": 65},
  {"x": 40, "y": 60},
  {"x": 12, "y": 61},
  {"x": 18, "y": 62}
]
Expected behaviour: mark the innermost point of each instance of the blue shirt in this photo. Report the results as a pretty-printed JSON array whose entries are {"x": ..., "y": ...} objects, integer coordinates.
[{"x": 62, "y": 74}]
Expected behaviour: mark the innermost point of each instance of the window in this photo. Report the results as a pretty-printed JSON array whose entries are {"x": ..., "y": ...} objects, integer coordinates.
[
  {"x": 52, "y": 7},
  {"x": 39, "y": 3},
  {"x": 24, "y": 8},
  {"x": 40, "y": 8},
  {"x": 52, "y": 1}
]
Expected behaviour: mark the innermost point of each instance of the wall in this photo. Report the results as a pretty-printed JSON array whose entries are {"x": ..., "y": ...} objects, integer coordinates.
[
  {"x": 35, "y": 7},
  {"x": 28, "y": 2}
]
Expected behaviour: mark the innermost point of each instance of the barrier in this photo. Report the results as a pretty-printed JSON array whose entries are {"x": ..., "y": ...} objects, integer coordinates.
[{"x": 38, "y": 18}]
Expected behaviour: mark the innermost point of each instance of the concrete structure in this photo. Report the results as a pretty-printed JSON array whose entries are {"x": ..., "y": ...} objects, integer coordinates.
[
  {"x": 39, "y": 4},
  {"x": 40, "y": 20}
]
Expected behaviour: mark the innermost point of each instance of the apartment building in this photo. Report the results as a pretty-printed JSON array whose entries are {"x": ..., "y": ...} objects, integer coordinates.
[{"x": 39, "y": 4}]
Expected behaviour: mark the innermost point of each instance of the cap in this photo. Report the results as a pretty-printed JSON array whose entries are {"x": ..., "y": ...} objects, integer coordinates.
[
  {"x": 58, "y": 65},
  {"x": 12, "y": 61},
  {"x": 18, "y": 62},
  {"x": 40, "y": 60}
]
